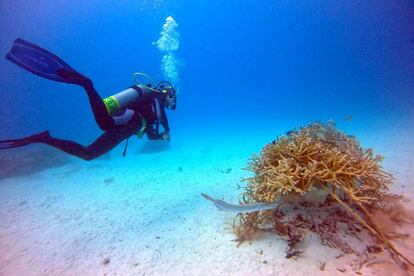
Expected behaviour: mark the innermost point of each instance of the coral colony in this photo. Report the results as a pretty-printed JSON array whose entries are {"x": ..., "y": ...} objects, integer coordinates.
[{"x": 325, "y": 183}]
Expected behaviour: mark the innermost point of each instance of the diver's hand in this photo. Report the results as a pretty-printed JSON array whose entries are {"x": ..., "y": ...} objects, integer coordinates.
[{"x": 166, "y": 136}]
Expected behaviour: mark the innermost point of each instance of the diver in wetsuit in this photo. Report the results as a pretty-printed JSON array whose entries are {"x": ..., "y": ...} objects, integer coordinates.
[{"x": 137, "y": 110}]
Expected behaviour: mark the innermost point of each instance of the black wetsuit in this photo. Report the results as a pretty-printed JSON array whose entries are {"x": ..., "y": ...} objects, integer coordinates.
[{"x": 117, "y": 128}]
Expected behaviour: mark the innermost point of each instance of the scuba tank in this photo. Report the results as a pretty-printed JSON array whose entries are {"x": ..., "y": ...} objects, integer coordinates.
[
  {"x": 121, "y": 100},
  {"x": 118, "y": 102}
]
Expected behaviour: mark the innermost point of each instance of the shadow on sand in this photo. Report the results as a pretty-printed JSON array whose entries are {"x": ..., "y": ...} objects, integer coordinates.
[
  {"x": 30, "y": 160},
  {"x": 153, "y": 147}
]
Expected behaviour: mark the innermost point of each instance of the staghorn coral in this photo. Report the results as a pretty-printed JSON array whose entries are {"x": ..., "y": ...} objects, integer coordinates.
[{"x": 321, "y": 178}]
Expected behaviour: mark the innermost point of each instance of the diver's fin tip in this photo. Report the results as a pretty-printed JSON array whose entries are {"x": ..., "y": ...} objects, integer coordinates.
[{"x": 41, "y": 62}]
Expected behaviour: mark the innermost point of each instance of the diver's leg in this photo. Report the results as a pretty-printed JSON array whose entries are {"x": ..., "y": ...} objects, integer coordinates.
[
  {"x": 102, "y": 117},
  {"x": 103, "y": 144},
  {"x": 47, "y": 65}
]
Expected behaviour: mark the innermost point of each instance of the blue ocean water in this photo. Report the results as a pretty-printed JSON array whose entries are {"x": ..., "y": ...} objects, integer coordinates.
[
  {"x": 251, "y": 70},
  {"x": 246, "y": 62}
]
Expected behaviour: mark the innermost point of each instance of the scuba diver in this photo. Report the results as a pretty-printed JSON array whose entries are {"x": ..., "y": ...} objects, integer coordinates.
[{"x": 137, "y": 110}]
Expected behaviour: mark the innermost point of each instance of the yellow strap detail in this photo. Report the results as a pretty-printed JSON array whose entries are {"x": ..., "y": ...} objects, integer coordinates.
[{"x": 111, "y": 104}]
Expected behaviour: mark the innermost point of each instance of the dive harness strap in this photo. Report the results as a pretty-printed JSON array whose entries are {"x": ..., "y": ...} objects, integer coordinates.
[{"x": 124, "y": 153}]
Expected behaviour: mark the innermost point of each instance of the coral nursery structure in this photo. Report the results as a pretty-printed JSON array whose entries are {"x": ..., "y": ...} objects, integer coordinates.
[{"x": 325, "y": 183}]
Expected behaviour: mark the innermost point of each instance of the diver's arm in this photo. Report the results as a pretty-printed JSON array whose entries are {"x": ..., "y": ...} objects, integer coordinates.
[
  {"x": 153, "y": 133},
  {"x": 164, "y": 120}
]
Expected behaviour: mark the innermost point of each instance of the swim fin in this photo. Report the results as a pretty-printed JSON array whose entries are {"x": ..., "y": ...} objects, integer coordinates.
[
  {"x": 43, "y": 63},
  {"x": 16, "y": 143}
]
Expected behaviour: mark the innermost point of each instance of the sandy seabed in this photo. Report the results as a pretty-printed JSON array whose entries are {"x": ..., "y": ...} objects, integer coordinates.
[{"x": 143, "y": 214}]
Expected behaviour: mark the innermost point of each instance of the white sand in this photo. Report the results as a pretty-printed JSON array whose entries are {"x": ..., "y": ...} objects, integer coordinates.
[{"x": 146, "y": 216}]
